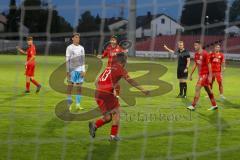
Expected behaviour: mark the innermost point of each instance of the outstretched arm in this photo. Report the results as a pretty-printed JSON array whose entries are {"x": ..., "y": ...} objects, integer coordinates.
[
  {"x": 21, "y": 50},
  {"x": 136, "y": 85},
  {"x": 104, "y": 54},
  {"x": 168, "y": 49}
]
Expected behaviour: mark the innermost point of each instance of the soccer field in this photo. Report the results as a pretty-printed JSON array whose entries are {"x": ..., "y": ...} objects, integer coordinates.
[{"x": 158, "y": 127}]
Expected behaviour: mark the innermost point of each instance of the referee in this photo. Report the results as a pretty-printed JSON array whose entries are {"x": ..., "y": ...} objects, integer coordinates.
[{"x": 182, "y": 69}]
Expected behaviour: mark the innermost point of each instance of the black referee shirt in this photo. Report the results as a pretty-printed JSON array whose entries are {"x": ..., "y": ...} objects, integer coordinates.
[{"x": 182, "y": 58}]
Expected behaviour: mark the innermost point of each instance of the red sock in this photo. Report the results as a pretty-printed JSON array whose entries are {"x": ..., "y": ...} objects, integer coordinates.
[
  {"x": 211, "y": 96},
  {"x": 99, "y": 123},
  {"x": 114, "y": 130},
  {"x": 27, "y": 86},
  {"x": 34, "y": 82},
  {"x": 195, "y": 100}
]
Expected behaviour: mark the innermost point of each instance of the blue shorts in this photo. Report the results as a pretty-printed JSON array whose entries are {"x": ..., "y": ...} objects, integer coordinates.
[{"x": 76, "y": 77}]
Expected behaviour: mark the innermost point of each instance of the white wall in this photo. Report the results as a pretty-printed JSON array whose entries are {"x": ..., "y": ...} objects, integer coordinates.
[
  {"x": 1, "y": 27},
  {"x": 168, "y": 28},
  {"x": 139, "y": 32},
  {"x": 147, "y": 32}
]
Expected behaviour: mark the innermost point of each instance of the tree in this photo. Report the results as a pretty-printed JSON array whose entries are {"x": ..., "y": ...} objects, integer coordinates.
[
  {"x": 235, "y": 11},
  {"x": 12, "y": 17},
  {"x": 192, "y": 12},
  {"x": 37, "y": 20},
  {"x": 87, "y": 23},
  {"x": 59, "y": 24},
  {"x": 97, "y": 22}
]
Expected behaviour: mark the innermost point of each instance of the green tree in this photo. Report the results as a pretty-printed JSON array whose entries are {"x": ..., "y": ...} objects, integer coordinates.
[
  {"x": 87, "y": 23},
  {"x": 12, "y": 17},
  {"x": 59, "y": 24},
  {"x": 37, "y": 19},
  {"x": 193, "y": 11},
  {"x": 235, "y": 11}
]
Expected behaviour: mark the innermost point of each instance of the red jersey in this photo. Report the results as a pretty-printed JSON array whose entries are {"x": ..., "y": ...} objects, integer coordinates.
[
  {"x": 31, "y": 51},
  {"x": 202, "y": 61},
  {"x": 216, "y": 60},
  {"x": 111, "y": 52},
  {"x": 108, "y": 80}
]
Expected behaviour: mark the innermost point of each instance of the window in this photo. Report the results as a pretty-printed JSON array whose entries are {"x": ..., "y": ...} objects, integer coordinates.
[{"x": 163, "y": 21}]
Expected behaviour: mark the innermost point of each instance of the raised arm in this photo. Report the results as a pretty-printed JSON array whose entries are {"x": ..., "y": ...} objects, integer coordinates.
[
  {"x": 168, "y": 49},
  {"x": 21, "y": 50}
]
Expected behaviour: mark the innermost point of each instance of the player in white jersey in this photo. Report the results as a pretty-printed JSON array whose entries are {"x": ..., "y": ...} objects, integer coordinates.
[{"x": 75, "y": 65}]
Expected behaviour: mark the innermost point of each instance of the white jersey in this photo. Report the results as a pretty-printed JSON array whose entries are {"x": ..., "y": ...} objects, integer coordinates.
[{"x": 75, "y": 58}]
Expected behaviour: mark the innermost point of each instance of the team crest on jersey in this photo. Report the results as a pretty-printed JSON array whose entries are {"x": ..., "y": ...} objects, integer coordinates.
[{"x": 198, "y": 61}]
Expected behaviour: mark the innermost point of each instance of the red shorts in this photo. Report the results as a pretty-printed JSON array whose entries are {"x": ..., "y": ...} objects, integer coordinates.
[
  {"x": 30, "y": 70},
  {"x": 106, "y": 101},
  {"x": 203, "y": 80},
  {"x": 218, "y": 76}
]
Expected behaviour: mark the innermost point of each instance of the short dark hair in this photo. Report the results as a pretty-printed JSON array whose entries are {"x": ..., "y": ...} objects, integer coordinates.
[
  {"x": 115, "y": 37},
  {"x": 29, "y": 38},
  {"x": 198, "y": 42},
  {"x": 121, "y": 57},
  {"x": 217, "y": 44},
  {"x": 75, "y": 34}
]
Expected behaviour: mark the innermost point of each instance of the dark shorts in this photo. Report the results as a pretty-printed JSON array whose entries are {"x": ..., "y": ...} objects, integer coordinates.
[{"x": 181, "y": 74}]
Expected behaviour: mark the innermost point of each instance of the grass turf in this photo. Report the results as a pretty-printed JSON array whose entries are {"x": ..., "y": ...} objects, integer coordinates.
[{"x": 155, "y": 128}]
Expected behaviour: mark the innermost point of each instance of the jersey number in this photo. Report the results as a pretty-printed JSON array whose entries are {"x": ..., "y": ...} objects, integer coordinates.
[{"x": 105, "y": 75}]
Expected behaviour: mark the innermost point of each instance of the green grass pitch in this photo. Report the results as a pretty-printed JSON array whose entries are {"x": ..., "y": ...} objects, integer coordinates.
[{"x": 29, "y": 128}]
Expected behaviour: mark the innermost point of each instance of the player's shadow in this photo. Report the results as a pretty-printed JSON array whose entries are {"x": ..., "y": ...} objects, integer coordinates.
[
  {"x": 215, "y": 120},
  {"x": 103, "y": 151},
  {"x": 12, "y": 98},
  {"x": 53, "y": 124},
  {"x": 186, "y": 101},
  {"x": 226, "y": 104}
]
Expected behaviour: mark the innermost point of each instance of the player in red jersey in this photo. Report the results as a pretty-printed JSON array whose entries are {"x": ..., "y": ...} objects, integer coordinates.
[
  {"x": 201, "y": 59},
  {"x": 218, "y": 65},
  {"x": 30, "y": 65},
  {"x": 111, "y": 51},
  {"x": 105, "y": 98}
]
